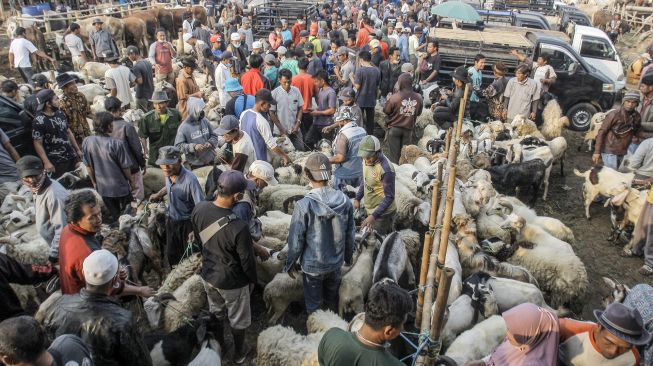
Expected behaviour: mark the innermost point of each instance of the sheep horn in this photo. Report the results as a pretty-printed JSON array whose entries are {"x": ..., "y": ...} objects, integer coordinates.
[{"x": 506, "y": 204}]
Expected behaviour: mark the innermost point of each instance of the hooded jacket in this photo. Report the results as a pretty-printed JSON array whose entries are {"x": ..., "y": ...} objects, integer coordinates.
[
  {"x": 196, "y": 130},
  {"x": 404, "y": 106},
  {"x": 321, "y": 232}
]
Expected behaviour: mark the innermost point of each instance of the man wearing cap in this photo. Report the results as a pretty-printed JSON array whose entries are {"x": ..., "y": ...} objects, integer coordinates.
[
  {"x": 159, "y": 126},
  {"x": 216, "y": 46},
  {"x": 611, "y": 341},
  {"x": 297, "y": 28},
  {"x": 239, "y": 101},
  {"x": 314, "y": 64},
  {"x": 109, "y": 330},
  {"x": 617, "y": 131},
  {"x": 262, "y": 174},
  {"x": 378, "y": 187},
  {"x": 186, "y": 86},
  {"x": 349, "y": 167},
  {"x": 109, "y": 166},
  {"x": 402, "y": 109},
  {"x": 390, "y": 70},
  {"x": 402, "y": 44},
  {"x": 228, "y": 264},
  {"x": 75, "y": 46},
  {"x": 236, "y": 49},
  {"x": 522, "y": 95},
  {"x": 119, "y": 79},
  {"x": 460, "y": 78},
  {"x": 222, "y": 73},
  {"x": 160, "y": 54},
  {"x": 288, "y": 60},
  {"x": 247, "y": 30},
  {"x": 75, "y": 107},
  {"x": 257, "y": 48},
  {"x": 375, "y": 50},
  {"x": 142, "y": 70},
  {"x": 257, "y": 127},
  {"x": 195, "y": 137},
  {"x": 345, "y": 68},
  {"x": 101, "y": 42},
  {"x": 303, "y": 40},
  {"x": 321, "y": 236},
  {"x": 30, "y": 103},
  {"x": 238, "y": 142},
  {"x": 184, "y": 193},
  {"x": 252, "y": 80},
  {"x": 366, "y": 82},
  {"x": 20, "y": 51},
  {"x": 49, "y": 201},
  {"x": 54, "y": 142},
  {"x": 271, "y": 70},
  {"x": 287, "y": 113}
]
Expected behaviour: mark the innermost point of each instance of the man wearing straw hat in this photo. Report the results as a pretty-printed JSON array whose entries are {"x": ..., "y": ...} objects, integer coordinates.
[
  {"x": 101, "y": 41},
  {"x": 159, "y": 126}
]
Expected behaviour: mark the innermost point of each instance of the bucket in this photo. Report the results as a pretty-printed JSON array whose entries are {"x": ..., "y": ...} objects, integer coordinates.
[{"x": 31, "y": 10}]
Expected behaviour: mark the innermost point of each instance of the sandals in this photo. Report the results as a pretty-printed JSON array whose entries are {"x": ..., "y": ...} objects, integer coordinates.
[{"x": 646, "y": 270}]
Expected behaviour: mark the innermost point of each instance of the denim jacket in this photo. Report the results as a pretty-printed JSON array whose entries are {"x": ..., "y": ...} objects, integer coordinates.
[{"x": 321, "y": 232}]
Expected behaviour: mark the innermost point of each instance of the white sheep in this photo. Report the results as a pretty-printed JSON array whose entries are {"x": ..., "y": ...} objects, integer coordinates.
[
  {"x": 94, "y": 70},
  {"x": 44, "y": 308},
  {"x": 604, "y": 181},
  {"x": 97, "y": 105},
  {"x": 281, "y": 197},
  {"x": 558, "y": 148},
  {"x": 209, "y": 354},
  {"x": 523, "y": 127},
  {"x": 267, "y": 269},
  {"x": 180, "y": 273},
  {"x": 478, "y": 342},
  {"x": 32, "y": 252},
  {"x": 282, "y": 346},
  {"x": 595, "y": 126},
  {"x": 323, "y": 320},
  {"x": 476, "y": 194},
  {"x": 410, "y": 209},
  {"x": 293, "y": 174},
  {"x": 187, "y": 300},
  {"x": 488, "y": 224},
  {"x": 451, "y": 261},
  {"x": 275, "y": 224},
  {"x": 280, "y": 292},
  {"x": 413, "y": 244},
  {"x": 553, "y": 120},
  {"x": 357, "y": 282},
  {"x": 559, "y": 272}
]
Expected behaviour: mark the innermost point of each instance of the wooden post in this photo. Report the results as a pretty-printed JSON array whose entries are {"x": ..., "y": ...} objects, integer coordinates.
[
  {"x": 180, "y": 44},
  {"x": 426, "y": 251},
  {"x": 444, "y": 284}
]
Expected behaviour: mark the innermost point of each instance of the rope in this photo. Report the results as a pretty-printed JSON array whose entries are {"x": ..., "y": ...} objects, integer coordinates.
[
  {"x": 188, "y": 251},
  {"x": 421, "y": 288}
]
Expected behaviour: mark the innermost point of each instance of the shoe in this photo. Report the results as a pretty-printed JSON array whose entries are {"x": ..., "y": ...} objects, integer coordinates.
[
  {"x": 241, "y": 350},
  {"x": 240, "y": 359},
  {"x": 646, "y": 270}
]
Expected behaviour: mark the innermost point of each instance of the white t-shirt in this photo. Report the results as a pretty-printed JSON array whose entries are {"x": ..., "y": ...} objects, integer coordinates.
[
  {"x": 222, "y": 73},
  {"x": 119, "y": 78},
  {"x": 22, "y": 48},
  {"x": 74, "y": 44},
  {"x": 541, "y": 72},
  {"x": 246, "y": 147}
]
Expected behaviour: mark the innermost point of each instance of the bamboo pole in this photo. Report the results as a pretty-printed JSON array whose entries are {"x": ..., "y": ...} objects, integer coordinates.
[
  {"x": 437, "y": 320},
  {"x": 426, "y": 250}
]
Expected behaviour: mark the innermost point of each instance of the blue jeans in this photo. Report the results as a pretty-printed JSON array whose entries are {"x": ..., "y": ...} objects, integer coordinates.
[
  {"x": 320, "y": 289},
  {"x": 26, "y": 73},
  {"x": 611, "y": 160},
  {"x": 340, "y": 183}
]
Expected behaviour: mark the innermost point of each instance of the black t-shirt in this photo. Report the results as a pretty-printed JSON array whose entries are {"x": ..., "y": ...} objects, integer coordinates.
[
  {"x": 431, "y": 63},
  {"x": 228, "y": 256},
  {"x": 69, "y": 349},
  {"x": 53, "y": 131},
  {"x": 143, "y": 69}
]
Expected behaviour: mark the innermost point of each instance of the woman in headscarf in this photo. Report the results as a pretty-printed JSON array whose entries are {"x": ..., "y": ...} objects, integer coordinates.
[
  {"x": 195, "y": 137},
  {"x": 532, "y": 338}
]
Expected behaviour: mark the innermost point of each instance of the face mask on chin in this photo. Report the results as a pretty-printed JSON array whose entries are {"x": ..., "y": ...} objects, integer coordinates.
[{"x": 237, "y": 44}]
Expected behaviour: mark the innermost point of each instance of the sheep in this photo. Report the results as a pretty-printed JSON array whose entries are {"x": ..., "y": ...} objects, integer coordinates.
[
  {"x": 553, "y": 120},
  {"x": 631, "y": 202},
  {"x": 180, "y": 273},
  {"x": 280, "y": 292},
  {"x": 33, "y": 252},
  {"x": 412, "y": 242},
  {"x": 14, "y": 221},
  {"x": 272, "y": 243},
  {"x": 133, "y": 116},
  {"x": 280, "y": 197},
  {"x": 595, "y": 126},
  {"x": 477, "y": 303},
  {"x": 323, "y": 320},
  {"x": 530, "y": 153},
  {"x": 143, "y": 253},
  {"x": 424, "y": 120},
  {"x": 506, "y": 205},
  {"x": 411, "y": 152},
  {"x": 488, "y": 225},
  {"x": 293, "y": 174},
  {"x": 478, "y": 342},
  {"x": 209, "y": 354},
  {"x": 171, "y": 311},
  {"x": 282, "y": 346},
  {"x": 357, "y": 282},
  {"x": 266, "y": 270},
  {"x": 560, "y": 273},
  {"x": 275, "y": 224},
  {"x": 491, "y": 130},
  {"x": 44, "y": 308},
  {"x": 94, "y": 70},
  {"x": 511, "y": 177},
  {"x": 508, "y": 293},
  {"x": 177, "y": 347},
  {"x": 558, "y": 148},
  {"x": 605, "y": 181},
  {"x": 475, "y": 195},
  {"x": 451, "y": 261},
  {"x": 410, "y": 209},
  {"x": 153, "y": 180},
  {"x": 523, "y": 127}
]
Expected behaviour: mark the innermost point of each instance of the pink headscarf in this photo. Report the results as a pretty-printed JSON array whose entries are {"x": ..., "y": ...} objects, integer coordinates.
[{"x": 537, "y": 332}]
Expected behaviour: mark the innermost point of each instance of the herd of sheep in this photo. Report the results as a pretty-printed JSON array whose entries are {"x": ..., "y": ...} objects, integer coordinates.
[{"x": 502, "y": 252}]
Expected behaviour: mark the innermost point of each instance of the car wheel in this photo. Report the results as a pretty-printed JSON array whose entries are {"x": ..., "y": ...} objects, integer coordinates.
[{"x": 580, "y": 116}]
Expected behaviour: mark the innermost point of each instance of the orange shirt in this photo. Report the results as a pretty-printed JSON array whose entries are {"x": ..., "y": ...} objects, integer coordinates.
[
  {"x": 304, "y": 82},
  {"x": 251, "y": 81},
  {"x": 570, "y": 328}
]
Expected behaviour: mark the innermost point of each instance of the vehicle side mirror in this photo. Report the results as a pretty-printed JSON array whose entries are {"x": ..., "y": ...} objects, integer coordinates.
[{"x": 573, "y": 67}]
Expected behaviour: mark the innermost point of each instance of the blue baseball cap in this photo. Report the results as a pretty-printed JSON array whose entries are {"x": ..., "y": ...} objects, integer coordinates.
[{"x": 232, "y": 85}]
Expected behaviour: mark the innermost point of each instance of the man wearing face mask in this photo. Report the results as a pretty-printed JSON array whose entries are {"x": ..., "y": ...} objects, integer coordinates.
[
  {"x": 195, "y": 136},
  {"x": 228, "y": 264},
  {"x": 184, "y": 193},
  {"x": 240, "y": 57},
  {"x": 49, "y": 199}
]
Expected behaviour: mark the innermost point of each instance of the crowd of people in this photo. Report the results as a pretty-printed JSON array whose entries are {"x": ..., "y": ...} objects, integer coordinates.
[{"x": 307, "y": 81}]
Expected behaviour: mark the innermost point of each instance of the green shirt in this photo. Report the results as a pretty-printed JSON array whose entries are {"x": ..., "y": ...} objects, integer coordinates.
[
  {"x": 290, "y": 64},
  {"x": 159, "y": 131},
  {"x": 339, "y": 347}
]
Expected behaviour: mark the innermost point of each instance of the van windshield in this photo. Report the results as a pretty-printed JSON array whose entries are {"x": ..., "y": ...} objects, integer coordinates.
[{"x": 595, "y": 47}]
